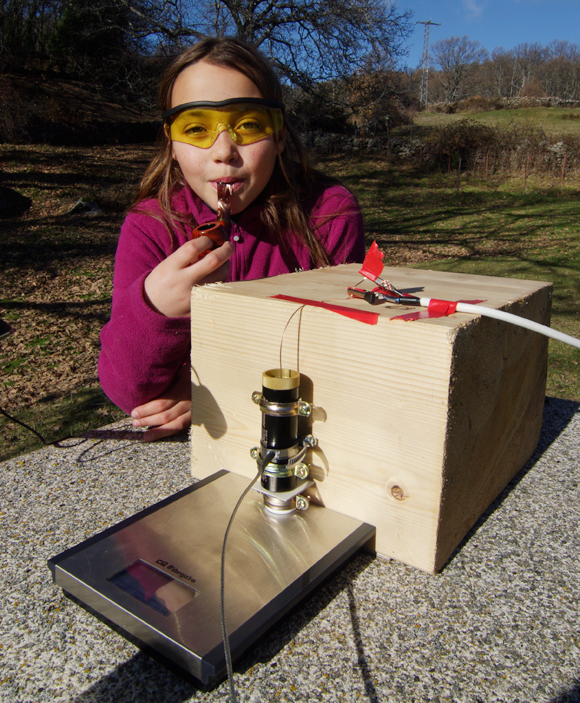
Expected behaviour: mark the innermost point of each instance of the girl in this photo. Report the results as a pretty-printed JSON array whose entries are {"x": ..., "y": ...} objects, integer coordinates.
[{"x": 224, "y": 123}]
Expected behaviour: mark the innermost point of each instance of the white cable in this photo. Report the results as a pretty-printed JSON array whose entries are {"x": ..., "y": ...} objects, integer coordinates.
[{"x": 514, "y": 320}]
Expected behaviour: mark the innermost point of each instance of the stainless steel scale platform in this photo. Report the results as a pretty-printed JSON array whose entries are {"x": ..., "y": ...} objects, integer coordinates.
[{"x": 156, "y": 575}]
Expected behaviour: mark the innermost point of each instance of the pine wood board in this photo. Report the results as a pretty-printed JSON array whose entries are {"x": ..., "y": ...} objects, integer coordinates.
[{"x": 444, "y": 410}]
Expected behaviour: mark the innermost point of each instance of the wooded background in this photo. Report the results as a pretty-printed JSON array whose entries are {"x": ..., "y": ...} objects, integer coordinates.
[{"x": 341, "y": 62}]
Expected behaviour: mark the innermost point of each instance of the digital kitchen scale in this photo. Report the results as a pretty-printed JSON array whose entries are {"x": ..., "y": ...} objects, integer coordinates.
[{"x": 156, "y": 576}]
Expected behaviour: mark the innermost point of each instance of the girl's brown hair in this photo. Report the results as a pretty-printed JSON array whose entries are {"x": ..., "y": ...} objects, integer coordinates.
[{"x": 283, "y": 209}]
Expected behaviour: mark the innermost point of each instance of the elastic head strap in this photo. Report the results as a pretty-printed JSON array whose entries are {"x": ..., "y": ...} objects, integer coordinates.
[{"x": 275, "y": 104}]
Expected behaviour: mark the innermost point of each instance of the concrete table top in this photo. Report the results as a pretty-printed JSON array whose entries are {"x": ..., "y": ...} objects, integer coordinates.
[{"x": 499, "y": 623}]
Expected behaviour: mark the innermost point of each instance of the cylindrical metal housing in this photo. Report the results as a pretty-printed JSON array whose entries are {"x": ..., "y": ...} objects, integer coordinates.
[{"x": 279, "y": 430}]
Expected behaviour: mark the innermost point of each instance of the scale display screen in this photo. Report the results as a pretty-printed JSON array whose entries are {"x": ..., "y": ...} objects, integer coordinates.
[{"x": 154, "y": 587}]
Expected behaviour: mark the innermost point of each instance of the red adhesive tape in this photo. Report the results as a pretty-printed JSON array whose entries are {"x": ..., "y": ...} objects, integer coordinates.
[
  {"x": 369, "y": 318},
  {"x": 432, "y": 312},
  {"x": 442, "y": 307},
  {"x": 418, "y": 315},
  {"x": 373, "y": 263}
]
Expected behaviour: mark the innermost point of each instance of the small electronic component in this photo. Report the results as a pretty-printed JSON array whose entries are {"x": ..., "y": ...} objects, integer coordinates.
[{"x": 380, "y": 295}]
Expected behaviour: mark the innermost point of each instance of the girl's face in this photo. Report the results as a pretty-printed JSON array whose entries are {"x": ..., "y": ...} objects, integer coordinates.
[{"x": 248, "y": 168}]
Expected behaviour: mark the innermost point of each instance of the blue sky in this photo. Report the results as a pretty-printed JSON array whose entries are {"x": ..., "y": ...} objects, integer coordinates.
[{"x": 493, "y": 23}]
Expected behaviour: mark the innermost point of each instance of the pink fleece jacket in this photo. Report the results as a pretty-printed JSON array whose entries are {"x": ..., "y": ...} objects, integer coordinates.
[{"x": 142, "y": 350}]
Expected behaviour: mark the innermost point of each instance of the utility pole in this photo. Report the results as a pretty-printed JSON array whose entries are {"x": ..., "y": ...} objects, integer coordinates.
[{"x": 424, "y": 99}]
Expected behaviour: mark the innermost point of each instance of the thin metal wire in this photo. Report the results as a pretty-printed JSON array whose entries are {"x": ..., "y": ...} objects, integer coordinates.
[
  {"x": 300, "y": 309},
  {"x": 227, "y": 649},
  {"x": 226, "y": 639},
  {"x": 261, "y": 464}
]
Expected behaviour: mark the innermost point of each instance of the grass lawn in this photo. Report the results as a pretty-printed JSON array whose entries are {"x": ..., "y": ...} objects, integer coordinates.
[
  {"x": 555, "y": 121},
  {"x": 55, "y": 286},
  {"x": 490, "y": 228}
]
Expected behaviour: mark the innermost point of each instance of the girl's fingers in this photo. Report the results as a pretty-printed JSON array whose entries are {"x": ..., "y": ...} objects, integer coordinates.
[
  {"x": 220, "y": 274},
  {"x": 205, "y": 270},
  {"x": 159, "y": 412},
  {"x": 170, "y": 428},
  {"x": 167, "y": 289},
  {"x": 189, "y": 254},
  {"x": 212, "y": 261}
]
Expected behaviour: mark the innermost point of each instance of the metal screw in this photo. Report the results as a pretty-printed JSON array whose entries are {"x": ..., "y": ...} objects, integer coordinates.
[
  {"x": 302, "y": 503},
  {"x": 256, "y": 397},
  {"x": 301, "y": 470},
  {"x": 255, "y": 453},
  {"x": 304, "y": 408},
  {"x": 310, "y": 440}
]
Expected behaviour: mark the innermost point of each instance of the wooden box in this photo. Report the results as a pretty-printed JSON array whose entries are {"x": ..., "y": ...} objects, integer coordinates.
[{"x": 420, "y": 424}]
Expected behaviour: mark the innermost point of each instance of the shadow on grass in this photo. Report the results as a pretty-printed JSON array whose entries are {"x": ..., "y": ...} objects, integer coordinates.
[
  {"x": 49, "y": 167},
  {"x": 53, "y": 180},
  {"x": 56, "y": 420},
  {"x": 65, "y": 309},
  {"x": 36, "y": 243},
  {"x": 419, "y": 207}
]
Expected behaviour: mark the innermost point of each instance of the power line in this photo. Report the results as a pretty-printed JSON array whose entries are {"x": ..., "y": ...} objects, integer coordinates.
[{"x": 424, "y": 98}]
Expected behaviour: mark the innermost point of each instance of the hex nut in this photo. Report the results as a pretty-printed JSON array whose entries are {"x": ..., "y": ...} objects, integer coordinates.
[{"x": 301, "y": 470}]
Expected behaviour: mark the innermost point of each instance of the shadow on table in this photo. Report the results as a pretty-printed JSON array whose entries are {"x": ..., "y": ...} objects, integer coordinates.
[
  {"x": 570, "y": 696},
  {"x": 141, "y": 679},
  {"x": 122, "y": 431},
  {"x": 558, "y": 413},
  {"x": 288, "y": 627},
  {"x": 144, "y": 679}
]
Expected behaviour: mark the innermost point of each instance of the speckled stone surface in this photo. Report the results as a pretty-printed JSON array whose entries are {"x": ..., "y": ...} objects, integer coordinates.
[{"x": 500, "y": 623}]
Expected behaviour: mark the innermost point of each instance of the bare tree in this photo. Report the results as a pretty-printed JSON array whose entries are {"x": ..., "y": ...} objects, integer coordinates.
[
  {"x": 501, "y": 71},
  {"x": 528, "y": 59},
  {"x": 457, "y": 58},
  {"x": 25, "y": 29},
  {"x": 560, "y": 74},
  {"x": 310, "y": 40}
]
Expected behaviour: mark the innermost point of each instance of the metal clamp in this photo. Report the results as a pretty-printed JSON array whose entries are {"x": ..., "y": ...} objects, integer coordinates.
[
  {"x": 287, "y": 502},
  {"x": 297, "y": 407}
]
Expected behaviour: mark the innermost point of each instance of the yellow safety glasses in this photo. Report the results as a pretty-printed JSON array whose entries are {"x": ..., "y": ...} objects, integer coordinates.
[{"x": 246, "y": 119}]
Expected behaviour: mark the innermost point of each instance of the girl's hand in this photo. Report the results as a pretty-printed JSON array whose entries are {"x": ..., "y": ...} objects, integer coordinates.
[
  {"x": 168, "y": 286},
  {"x": 168, "y": 414}
]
